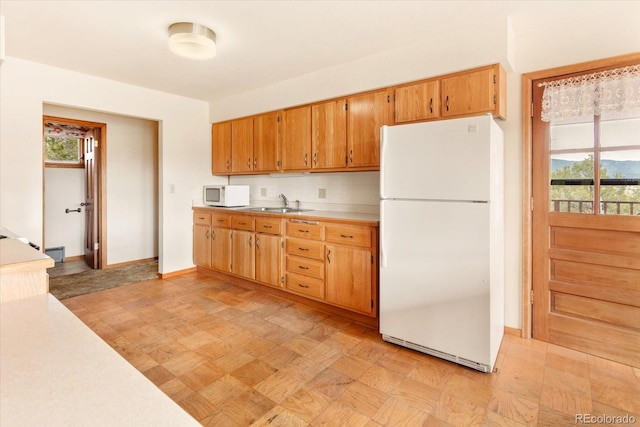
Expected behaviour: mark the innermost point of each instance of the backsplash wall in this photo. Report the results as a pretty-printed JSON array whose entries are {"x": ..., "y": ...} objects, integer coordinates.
[{"x": 343, "y": 191}]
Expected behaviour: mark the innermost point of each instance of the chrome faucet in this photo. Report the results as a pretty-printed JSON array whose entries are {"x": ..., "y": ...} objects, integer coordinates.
[{"x": 285, "y": 200}]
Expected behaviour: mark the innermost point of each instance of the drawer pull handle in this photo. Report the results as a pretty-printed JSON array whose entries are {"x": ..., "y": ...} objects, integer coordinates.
[
  {"x": 304, "y": 249},
  {"x": 303, "y": 286},
  {"x": 242, "y": 223},
  {"x": 303, "y": 267},
  {"x": 213, "y": 235},
  {"x": 329, "y": 256},
  {"x": 346, "y": 236},
  {"x": 303, "y": 231},
  {"x": 267, "y": 226},
  {"x": 207, "y": 234},
  {"x": 220, "y": 220}
]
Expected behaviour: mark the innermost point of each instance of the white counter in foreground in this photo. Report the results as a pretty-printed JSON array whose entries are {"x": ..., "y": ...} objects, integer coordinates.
[{"x": 54, "y": 371}]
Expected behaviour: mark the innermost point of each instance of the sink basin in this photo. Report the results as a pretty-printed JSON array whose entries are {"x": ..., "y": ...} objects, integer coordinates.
[{"x": 278, "y": 210}]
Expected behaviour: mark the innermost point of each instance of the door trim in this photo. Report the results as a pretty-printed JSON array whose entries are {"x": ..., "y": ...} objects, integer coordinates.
[
  {"x": 527, "y": 169},
  {"x": 102, "y": 194}
]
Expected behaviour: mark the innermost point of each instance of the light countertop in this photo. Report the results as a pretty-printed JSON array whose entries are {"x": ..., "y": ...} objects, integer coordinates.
[
  {"x": 317, "y": 215},
  {"x": 54, "y": 371}
]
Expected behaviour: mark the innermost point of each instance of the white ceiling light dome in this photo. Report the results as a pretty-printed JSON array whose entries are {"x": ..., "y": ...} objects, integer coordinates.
[{"x": 191, "y": 40}]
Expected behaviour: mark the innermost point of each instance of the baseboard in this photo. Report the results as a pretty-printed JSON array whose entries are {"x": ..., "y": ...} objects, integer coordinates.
[
  {"x": 73, "y": 258},
  {"x": 512, "y": 331},
  {"x": 177, "y": 273}
]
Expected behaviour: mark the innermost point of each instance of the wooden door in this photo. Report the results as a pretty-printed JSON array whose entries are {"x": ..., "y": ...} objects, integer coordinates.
[
  {"x": 469, "y": 93},
  {"x": 266, "y": 142},
  {"x": 329, "y": 134},
  {"x": 221, "y": 249},
  {"x": 221, "y": 148},
  {"x": 296, "y": 145},
  {"x": 586, "y": 246},
  {"x": 420, "y": 101},
  {"x": 242, "y": 145},
  {"x": 269, "y": 259},
  {"x": 348, "y": 277},
  {"x": 243, "y": 254},
  {"x": 91, "y": 208},
  {"x": 366, "y": 114}
]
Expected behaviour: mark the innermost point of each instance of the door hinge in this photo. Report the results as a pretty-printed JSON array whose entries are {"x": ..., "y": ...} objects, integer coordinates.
[
  {"x": 371, "y": 303},
  {"x": 278, "y": 162},
  {"x": 282, "y": 244},
  {"x": 372, "y": 259},
  {"x": 531, "y": 204},
  {"x": 278, "y": 119},
  {"x": 346, "y": 106},
  {"x": 531, "y": 296},
  {"x": 532, "y": 110},
  {"x": 96, "y": 246},
  {"x": 495, "y": 100},
  {"x": 388, "y": 98},
  {"x": 495, "y": 79},
  {"x": 281, "y": 279}
]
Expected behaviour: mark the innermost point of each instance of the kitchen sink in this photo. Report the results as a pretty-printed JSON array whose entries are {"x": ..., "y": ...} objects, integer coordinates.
[{"x": 278, "y": 210}]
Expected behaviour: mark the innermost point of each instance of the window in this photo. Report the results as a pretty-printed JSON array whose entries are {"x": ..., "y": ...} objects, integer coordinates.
[
  {"x": 594, "y": 142},
  {"x": 63, "y": 145}
]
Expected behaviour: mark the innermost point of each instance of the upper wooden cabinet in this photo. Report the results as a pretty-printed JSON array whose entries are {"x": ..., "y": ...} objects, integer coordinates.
[
  {"x": 296, "y": 146},
  {"x": 266, "y": 142},
  {"x": 366, "y": 113},
  {"x": 329, "y": 134},
  {"x": 482, "y": 90},
  {"x": 242, "y": 145},
  {"x": 416, "y": 102},
  {"x": 343, "y": 134},
  {"x": 221, "y": 148}
]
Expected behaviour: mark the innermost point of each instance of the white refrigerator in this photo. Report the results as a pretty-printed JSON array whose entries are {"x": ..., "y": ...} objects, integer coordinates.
[{"x": 442, "y": 239}]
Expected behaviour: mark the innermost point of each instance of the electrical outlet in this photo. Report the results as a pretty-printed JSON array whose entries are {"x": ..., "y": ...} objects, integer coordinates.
[
  {"x": 263, "y": 192},
  {"x": 322, "y": 193}
]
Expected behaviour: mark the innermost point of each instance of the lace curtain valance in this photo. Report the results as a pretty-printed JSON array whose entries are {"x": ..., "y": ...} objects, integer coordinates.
[{"x": 592, "y": 94}]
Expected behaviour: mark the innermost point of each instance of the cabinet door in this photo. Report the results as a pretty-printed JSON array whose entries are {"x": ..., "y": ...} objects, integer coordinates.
[
  {"x": 221, "y": 148},
  {"x": 269, "y": 259},
  {"x": 469, "y": 93},
  {"x": 243, "y": 254},
  {"x": 366, "y": 113},
  {"x": 420, "y": 101},
  {"x": 329, "y": 134},
  {"x": 221, "y": 249},
  {"x": 201, "y": 245},
  {"x": 242, "y": 145},
  {"x": 348, "y": 277},
  {"x": 266, "y": 142},
  {"x": 296, "y": 145}
]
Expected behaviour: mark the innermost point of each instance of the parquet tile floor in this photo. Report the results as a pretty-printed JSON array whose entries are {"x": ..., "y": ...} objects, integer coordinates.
[{"x": 232, "y": 356}]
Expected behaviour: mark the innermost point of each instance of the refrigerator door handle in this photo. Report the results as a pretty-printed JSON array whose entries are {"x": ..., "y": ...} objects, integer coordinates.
[
  {"x": 383, "y": 258},
  {"x": 383, "y": 133}
]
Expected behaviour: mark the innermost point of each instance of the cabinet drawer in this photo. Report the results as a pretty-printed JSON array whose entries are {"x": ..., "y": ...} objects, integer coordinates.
[
  {"x": 349, "y": 235},
  {"x": 307, "y": 286},
  {"x": 269, "y": 225},
  {"x": 305, "y": 230},
  {"x": 305, "y": 266},
  {"x": 221, "y": 220},
  {"x": 305, "y": 248},
  {"x": 243, "y": 222},
  {"x": 200, "y": 218}
]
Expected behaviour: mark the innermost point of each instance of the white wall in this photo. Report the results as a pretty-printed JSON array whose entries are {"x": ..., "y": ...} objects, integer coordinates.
[
  {"x": 184, "y": 147},
  {"x": 602, "y": 33},
  {"x": 131, "y": 186},
  {"x": 64, "y": 189}
]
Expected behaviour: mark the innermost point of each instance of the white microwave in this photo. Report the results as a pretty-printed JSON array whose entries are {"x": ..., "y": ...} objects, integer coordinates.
[{"x": 226, "y": 195}]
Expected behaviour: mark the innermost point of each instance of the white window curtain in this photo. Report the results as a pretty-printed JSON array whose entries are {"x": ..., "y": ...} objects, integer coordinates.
[{"x": 582, "y": 97}]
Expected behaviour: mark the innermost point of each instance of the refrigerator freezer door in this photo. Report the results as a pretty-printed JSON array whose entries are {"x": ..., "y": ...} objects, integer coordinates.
[
  {"x": 434, "y": 276},
  {"x": 441, "y": 160}
]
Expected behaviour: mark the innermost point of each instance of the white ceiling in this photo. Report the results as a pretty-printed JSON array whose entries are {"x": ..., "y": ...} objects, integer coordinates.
[{"x": 259, "y": 42}]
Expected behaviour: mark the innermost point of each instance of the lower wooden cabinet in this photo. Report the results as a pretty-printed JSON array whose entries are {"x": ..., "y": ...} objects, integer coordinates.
[{"x": 331, "y": 262}]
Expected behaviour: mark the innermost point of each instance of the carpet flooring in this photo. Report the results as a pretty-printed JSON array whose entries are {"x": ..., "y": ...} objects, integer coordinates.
[{"x": 86, "y": 282}]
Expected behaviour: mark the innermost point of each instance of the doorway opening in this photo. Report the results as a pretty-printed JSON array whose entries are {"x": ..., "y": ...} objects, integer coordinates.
[{"x": 74, "y": 200}]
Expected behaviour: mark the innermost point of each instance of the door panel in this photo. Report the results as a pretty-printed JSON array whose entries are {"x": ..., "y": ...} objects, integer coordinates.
[{"x": 91, "y": 200}]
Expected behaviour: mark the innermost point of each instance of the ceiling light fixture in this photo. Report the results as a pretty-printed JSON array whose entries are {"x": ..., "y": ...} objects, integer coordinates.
[{"x": 191, "y": 40}]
